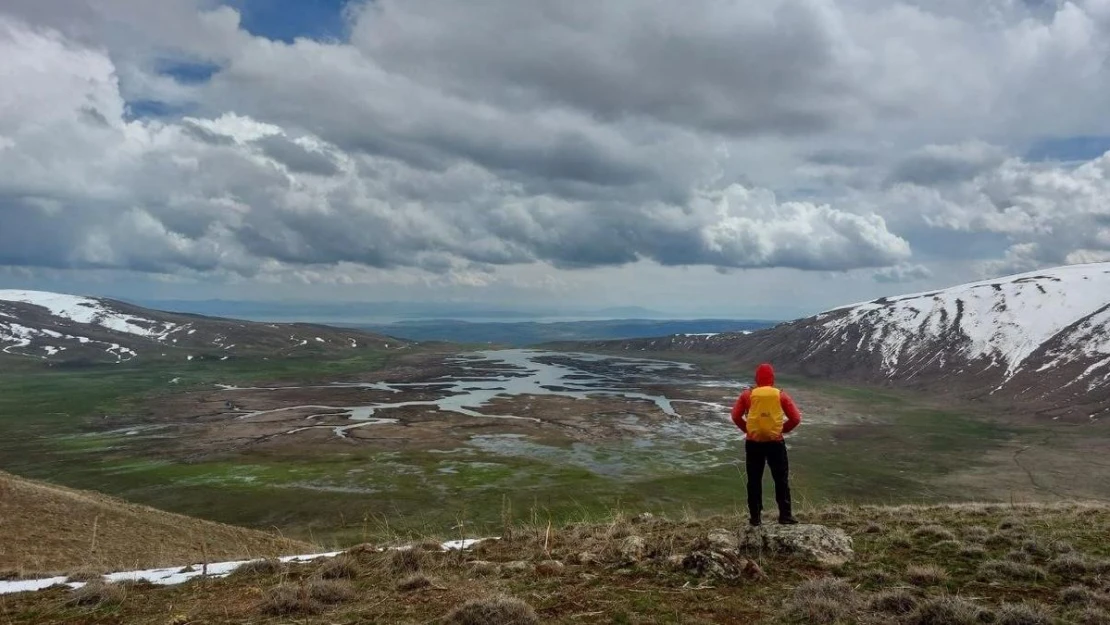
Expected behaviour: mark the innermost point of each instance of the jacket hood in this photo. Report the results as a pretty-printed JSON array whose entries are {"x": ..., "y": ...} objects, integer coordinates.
[{"x": 764, "y": 375}]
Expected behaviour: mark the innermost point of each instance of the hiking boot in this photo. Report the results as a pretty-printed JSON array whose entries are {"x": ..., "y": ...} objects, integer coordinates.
[
  {"x": 788, "y": 520},
  {"x": 755, "y": 521}
]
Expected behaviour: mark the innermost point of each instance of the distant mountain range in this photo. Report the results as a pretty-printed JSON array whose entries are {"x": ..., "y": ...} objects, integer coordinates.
[
  {"x": 354, "y": 313},
  {"x": 72, "y": 329},
  {"x": 1040, "y": 340},
  {"x": 533, "y": 333}
]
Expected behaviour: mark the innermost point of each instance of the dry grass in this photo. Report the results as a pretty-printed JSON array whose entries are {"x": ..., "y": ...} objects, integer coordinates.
[
  {"x": 97, "y": 594},
  {"x": 406, "y": 560},
  {"x": 934, "y": 531},
  {"x": 594, "y": 589},
  {"x": 949, "y": 611},
  {"x": 62, "y": 529},
  {"x": 897, "y": 602},
  {"x": 330, "y": 591},
  {"x": 972, "y": 551},
  {"x": 340, "y": 567},
  {"x": 497, "y": 610},
  {"x": 85, "y": 575},
  {"x": 1024, "y": 614},
  {"x": 1002, "y": 570},
  {"x": 417, "y": 581},
  {"x": 1092, "y": 616},
  {"x": 976, "y": 533},
  {"x": 1077, "y": 595},
  {"x": 290, "y": 600},
  {"x": 265, "y": 566},
  {"x": 926, "y": 575},
  {"x": 827, "y": 600}
]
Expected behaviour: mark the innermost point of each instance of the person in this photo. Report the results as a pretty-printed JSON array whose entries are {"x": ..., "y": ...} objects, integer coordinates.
[{"x": 764, "y": 414}]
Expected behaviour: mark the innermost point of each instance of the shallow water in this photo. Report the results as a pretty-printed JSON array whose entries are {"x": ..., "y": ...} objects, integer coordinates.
[{"x": 501, "y": 374}]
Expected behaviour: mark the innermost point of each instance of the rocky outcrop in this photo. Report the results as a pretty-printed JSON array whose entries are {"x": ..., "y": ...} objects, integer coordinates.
[{"x": 819, "y": 544}]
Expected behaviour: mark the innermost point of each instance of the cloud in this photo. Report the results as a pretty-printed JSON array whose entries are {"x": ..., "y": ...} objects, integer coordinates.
[
  {"x": 902, "y": 273},
  {"x": 232, "y": 193},
  {"x": 464, "y": 140}
]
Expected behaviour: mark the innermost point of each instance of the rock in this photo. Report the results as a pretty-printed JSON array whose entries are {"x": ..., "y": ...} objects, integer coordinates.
[
  {"x": 644, "y": 517},
  {"x": 631, "y": 549},
  {"x": 585, "y": 558},
  {"x": 817, "y": 543},
  {"x": 550, "y": 567},
  {"x": 722, "y": 540},
  {"x": 481, "y": 567},
  {"x": 518, "y": 566},
  {"x": 722, "y": 566}
]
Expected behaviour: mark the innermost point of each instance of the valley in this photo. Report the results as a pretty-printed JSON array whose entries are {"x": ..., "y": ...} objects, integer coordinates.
[{"x": 438, "y": 440}]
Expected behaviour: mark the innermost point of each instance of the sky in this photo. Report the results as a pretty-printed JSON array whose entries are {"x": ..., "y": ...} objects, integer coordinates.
[{"x": 751, "y": 158}]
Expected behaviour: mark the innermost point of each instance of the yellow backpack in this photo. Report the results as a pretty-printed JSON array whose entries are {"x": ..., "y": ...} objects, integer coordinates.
[{"x": 765, "y": 416}]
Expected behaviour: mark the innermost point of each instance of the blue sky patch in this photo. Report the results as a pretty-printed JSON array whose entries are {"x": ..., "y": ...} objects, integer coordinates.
[
  {"x": 138, "y": 109},
  {"x": 1080, "y": 148},
  {"x": 286, "y": 20},
  {"x": 186, "y": 72}
]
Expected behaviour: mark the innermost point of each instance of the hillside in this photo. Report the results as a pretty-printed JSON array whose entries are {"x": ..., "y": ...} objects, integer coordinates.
[
  {"x": 49, "y": 528},
  {"x": 910, "y": 565},
  {"x": 71, "y": 329},
  {"x": 1039, "y": 338}
]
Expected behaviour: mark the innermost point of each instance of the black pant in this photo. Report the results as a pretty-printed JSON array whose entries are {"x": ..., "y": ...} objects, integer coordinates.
[{"x": 773, "y": 454}]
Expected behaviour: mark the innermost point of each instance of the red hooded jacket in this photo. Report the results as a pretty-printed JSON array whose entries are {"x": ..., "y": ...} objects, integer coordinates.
[{"x": 765, "y": 376}]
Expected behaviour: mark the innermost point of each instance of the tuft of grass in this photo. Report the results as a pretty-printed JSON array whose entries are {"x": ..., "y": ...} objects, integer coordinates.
[
  {"x": 899, "y": 540},
  {"x": 406, "y": 560},
  {"x": 893, "y": 602},
  {"x": 999, "y": 539},
  {"x": 934, "y": 531},
  {"x": 1010, "y": 523},
  {"x": 1036, "y": 548},
  {"x": 973, "y": 551},
  {"x": 1024, "y": 614},
  {"x": 1092, "y": 616},
  {"x": 1077, "y": 595},
  {"x": 878, "y": 577},
  {"x": 949, "y": 546},
  {"x": 340, "y": 567},
  {"x": 976, "y": 533},
  {"x": 1070, "y": 564},
  {"x": 417, "y": 581},
  {"x": 1061, "y": 546},
  {"x": 926, "y": 575},
  {"x": 97, "y": 594},
  {"x": 330, "y": 591},
  {"x": 993, "y": 570},
  {"x": 826, "y": 600},
  {"x": 289, "y": 599},
  {"x": 85, "y": 575},
  {"x": 949, "y": 611},
  {"x": 1018, "y": 555},
  {"x": 267, "y": 566},
  {"x": 497, "y": 610},
  {"x": 874, "y": 528}
]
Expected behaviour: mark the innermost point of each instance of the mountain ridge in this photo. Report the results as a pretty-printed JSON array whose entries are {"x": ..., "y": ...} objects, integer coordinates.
[
  {"x": 1039, "y": 338},
  {"x": 62, "y": 328}
]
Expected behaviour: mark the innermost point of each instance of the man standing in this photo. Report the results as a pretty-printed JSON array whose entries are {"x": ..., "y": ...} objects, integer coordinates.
[{"x": 765, "y": 413}]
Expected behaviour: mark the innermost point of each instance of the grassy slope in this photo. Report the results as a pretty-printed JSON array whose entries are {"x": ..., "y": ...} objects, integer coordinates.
[
  {"x": 50, "y": 528},
  {"x": 1001, "y": 560}
]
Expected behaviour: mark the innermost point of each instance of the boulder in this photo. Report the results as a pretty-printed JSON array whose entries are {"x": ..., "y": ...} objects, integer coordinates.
[
  {"x": 722, "y": 540},
  {"x": 727, "y": 566},
  {"x": 823, "y": 545}
]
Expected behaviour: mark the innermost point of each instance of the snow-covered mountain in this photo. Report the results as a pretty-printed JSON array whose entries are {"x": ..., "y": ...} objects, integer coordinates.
[
  {"x": 70, "y": 328},
  {"x": 1041, "y": 338}
]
